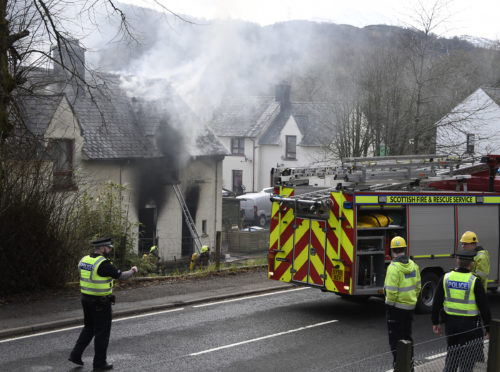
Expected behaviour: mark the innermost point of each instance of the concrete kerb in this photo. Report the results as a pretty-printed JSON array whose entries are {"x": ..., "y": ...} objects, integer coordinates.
[{"x": 49, "y": 326}]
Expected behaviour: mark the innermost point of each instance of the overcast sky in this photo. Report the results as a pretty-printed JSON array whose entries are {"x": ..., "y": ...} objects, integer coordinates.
[{"x": 463, "y": 17}]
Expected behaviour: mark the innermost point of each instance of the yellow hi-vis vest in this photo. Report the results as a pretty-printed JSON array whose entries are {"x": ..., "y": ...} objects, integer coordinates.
[
  {"x": 481, "y": 267},
  {"x": 402, "y": 285},
  {"x": 90, "y": 281},
  {"x": 459, "y": 298}
]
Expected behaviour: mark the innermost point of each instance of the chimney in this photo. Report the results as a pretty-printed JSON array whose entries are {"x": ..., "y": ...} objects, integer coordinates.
[
  {"x": 282, "y": 94},
  {"x": 73, "y": 59}
]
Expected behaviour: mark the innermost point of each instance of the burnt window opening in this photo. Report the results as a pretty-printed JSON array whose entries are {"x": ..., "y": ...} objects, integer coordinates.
[
  {"x": 291, "y": 147},
  {"x": 147, "y": 229},
  {"x": 237, "y": 146},
  {"x": 61, "y": 154},
  {"x": 204, "y": 227},
  {"x": 237, "y": 181}
]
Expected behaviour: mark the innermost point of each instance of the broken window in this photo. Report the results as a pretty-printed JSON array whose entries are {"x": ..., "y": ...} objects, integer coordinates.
[
  {"x": 61, "y": 153},
  {"x": 237, "y": 146},
  {"x": 291, "y": 147}
]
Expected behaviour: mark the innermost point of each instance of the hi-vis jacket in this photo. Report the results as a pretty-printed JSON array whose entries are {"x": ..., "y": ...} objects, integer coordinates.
[
  {"x": 90, "y": 281},
  {"x": 459, "y": 297},
  {"x": 402, "y": 283},
  {"x": 481, "y": 266}
]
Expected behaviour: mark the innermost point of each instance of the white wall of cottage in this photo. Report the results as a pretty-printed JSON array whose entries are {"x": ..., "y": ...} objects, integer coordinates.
[
  {"x": 206, "y": 172},
  {"x": 238, "y": 162},
  {"x": 271, "y": 155},
  {"x": 478, "y": 114}
]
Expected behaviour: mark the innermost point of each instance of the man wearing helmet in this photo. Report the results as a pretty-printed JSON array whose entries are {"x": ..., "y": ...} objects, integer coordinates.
[
  {"x": 402, "y": 287},
  {"x": 481, "y": 265}
]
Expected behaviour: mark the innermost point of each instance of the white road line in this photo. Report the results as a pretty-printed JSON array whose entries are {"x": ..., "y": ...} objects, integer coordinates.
[
  {"x": 262, "y": 338},
  {"x": 247, "y": 297},
  {"x": 76, "y": 327},
  {"x": 147, "y": 314}
]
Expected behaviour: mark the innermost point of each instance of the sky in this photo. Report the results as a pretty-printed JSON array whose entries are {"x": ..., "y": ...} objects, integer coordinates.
[{"x": 461, "y": 17}]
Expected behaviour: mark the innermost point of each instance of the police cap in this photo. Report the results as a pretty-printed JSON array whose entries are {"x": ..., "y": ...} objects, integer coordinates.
[
  {"x": 102, "y": 242},
  {"x": 466, "y": 255}
]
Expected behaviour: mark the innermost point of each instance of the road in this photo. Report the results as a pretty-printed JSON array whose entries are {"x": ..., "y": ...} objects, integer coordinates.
[{"x": 300, "y": 329}]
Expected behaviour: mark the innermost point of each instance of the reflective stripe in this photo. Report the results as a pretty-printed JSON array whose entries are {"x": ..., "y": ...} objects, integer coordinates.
[
  {"x": 401, "y": 289},
  {"x": 96, "y": 281},
  {"x": 460, "y": 311},
  {"x": 95, "y": 289},
  {"x": 480, "y": 273},
  {"x": 404, "y": 306}
]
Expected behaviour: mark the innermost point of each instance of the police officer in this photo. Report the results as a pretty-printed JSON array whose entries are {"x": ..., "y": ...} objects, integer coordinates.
[
  {"x": 96, "y": 285},
  {"x": 481, "y": 266},
  {"x": 463, "y": 299},
  {"x": 402, "y": 287}
]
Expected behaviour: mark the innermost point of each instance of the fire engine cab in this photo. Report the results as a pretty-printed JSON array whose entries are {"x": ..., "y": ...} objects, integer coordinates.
[{"x": 331, "y": 226}]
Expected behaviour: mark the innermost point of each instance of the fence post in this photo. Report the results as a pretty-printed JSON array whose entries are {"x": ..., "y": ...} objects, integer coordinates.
[
  {"x": 403, "y": 356},
  {"x": 494, "y": 347},
  {"x": 218, "y": 240}
]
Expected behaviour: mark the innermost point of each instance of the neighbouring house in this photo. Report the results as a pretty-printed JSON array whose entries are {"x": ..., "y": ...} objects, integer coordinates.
[
  {"x": 265, "y": 131},
  {"x": 473, "y": 126},
  {"x": 106, "y": 134}
]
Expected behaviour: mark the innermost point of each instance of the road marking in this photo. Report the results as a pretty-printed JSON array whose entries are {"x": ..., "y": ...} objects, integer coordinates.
[
  {"x": 247, "y": 297},
  {"x": 262, "y": 338},
  {"x": 79, "y": 326},
  {"x": 148, "y": 314}
]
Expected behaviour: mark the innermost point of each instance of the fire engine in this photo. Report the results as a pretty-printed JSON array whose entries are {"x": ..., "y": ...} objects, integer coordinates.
[{"x": 331, "y": 226}]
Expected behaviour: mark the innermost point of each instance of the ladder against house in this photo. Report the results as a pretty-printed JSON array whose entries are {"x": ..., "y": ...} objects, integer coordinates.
[
  {"x": 189, "y": 220},
  {"x": 376, "y": 172}
]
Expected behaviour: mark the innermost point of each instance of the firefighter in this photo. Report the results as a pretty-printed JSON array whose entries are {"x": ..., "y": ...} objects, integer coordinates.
[
  {"x": 96, "y": 286},
  {"x": 201, "y": 260},
  {"x": 402, "y": 287},
  {"x": 481, "y": 266},
  {"x": 153, "y": 251},
  {"x": 460, "y": 299}
]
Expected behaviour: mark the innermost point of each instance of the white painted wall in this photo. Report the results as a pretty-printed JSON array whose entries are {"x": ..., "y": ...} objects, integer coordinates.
[
  {"x": 238, "y": 162},
  {"x": 271, "y": 155},
  {"x": 206, "y": 172},
  {"x": 477, "y": 114}
]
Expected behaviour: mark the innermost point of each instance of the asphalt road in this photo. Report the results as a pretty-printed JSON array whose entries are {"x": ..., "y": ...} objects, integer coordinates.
[{"x": 296, "y": 330}]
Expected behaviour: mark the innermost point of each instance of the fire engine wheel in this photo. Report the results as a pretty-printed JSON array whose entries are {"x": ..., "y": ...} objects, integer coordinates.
[
  {"x": 262, "y": 220},
  {"x": 429, "y": 284}
]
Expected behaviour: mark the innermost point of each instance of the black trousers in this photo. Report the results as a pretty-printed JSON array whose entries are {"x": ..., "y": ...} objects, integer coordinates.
[
  {"x": 399, "y": 326},
  {"x": 97, "y": 317},
  {"x": 465, "y": 343}
]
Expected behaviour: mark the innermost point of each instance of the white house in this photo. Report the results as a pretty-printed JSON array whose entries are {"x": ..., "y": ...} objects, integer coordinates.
[
  {"x": 265, "y": 131},
  {"x": 473, "y": 126},
  {"x": 97, "y": 136}
]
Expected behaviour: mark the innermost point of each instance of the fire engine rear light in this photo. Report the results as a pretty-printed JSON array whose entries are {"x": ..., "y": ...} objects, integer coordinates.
[
  {"x": 271, "y": 273},
  {"x": 346, "y": 288}
]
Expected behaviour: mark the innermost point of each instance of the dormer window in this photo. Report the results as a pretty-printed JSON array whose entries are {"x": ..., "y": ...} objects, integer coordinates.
[
  {"x": 61, "y": 153},
  {"x": 291, "y": 148},
  {"x": 237, "y": 146}
]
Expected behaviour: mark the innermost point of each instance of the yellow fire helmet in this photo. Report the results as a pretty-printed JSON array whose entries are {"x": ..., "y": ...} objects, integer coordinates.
[
  {"x": 469, "y": 237},
  {"x": 398, "y": 242}
]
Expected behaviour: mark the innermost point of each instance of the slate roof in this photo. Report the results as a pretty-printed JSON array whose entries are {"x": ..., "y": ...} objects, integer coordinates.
[
  {"x": 38, "y": 111},
  {"x": 112, "y": 126},
  {"x": 313, "y": 119},
  {"x": 493, "y": 93},
  {"x": 244, "y": 116}
]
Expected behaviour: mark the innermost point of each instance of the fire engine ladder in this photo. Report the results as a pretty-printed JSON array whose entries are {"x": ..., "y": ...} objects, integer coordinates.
[{"x": 189, "y": 220}]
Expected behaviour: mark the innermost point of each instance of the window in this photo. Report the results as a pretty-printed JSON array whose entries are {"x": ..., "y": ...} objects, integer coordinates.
[
  {"x": 291, "y": 147},
  {"x": 61, "y": 153},
  {"x": 238, "y": 181},
  {"x": 204, "y": 227},
  {"x": 238, "y": 146},
  {"x": 470, "y": 143}
]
